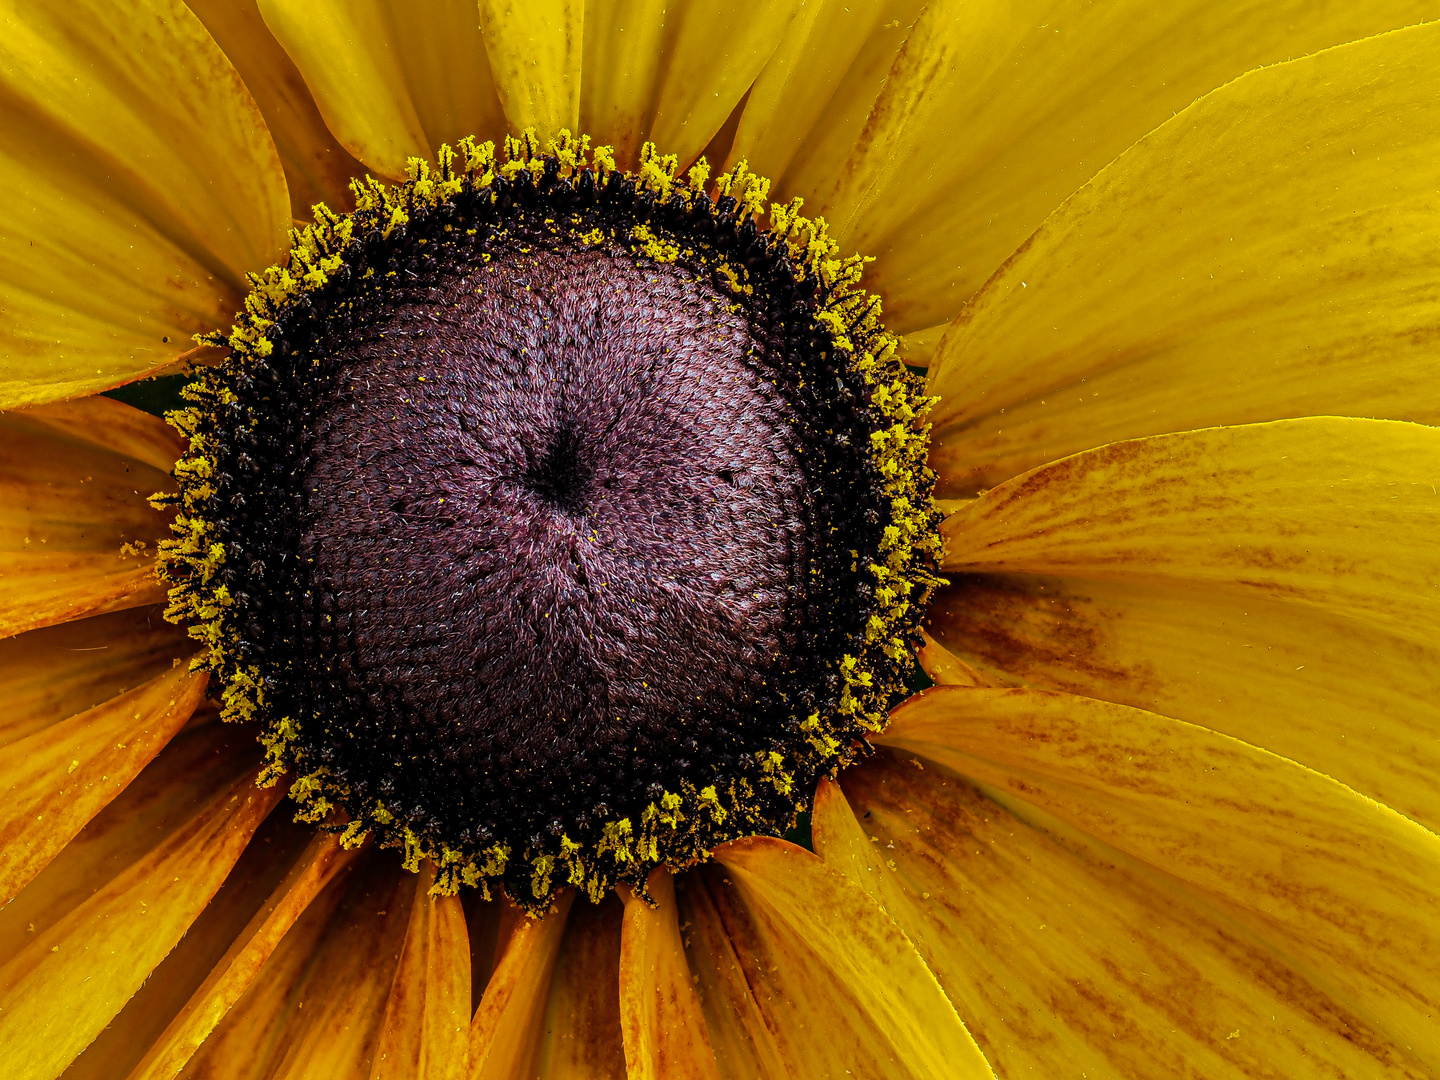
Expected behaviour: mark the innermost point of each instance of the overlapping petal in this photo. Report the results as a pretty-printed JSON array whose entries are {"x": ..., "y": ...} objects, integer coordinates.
[
  {"x": 994, "y": 112},
  {"x": 77, "y": 536},
  {"x": 506, "y": 1030},
  {"x": 52, "y": 674},
  {"x": 317, "y": 168},
  {"x": 1267, "y": 253},
  {"x": 427, "y": 1018},
  {"x": 1067, "y": 955},
  {"x": 663, "y": 1024},
  {"x": 226, "y": 978},
  {"x": 57, "y": 779},
  {"x": 140, "y": 187},
  {"x": 579, "y": 1036},
  {"x": 392, "y": 81},
  {"x": 1274, "y": 581},
  {"x": 1339, "y": 889},
  {"x": 69, "y": 981},
  {"x": 821, "y": 81},
  {"x": 793, "y": 958},
  {"x": 317, "y": 1004}
]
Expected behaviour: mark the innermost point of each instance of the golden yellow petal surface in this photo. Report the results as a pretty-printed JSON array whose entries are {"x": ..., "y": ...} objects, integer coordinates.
[
  {"x": 810, "y": 65},
  {"x": 1267, "y": 253},
  {"x": 57, "y": 779},
  {"x": 1273, "y": 581},
  {"x": 205, "y": 757},
  {"x": 1068, "y": 957},
  {"x": 579, "y": 1036},
  {"x": 140, "y": 186},
  {"x": 316, "y": 1006},
  {"x": 663, "y": 1025},
  {"x": 114, "y": 426},
  {"x": 824, "y": 932},
  {"x": 229, "y": 978},
  {"x": 536, "y": 51},
  {"x": 64, "y": 987},
  {"x": 1333, "y": 513},
  {"x": 51, "y": 674},
  {"x": 712, "y": 60},
  {"x": 1341, "y": 887},
  {"x": 509, "y": 1019},
  {"x": 809, "y": 167},
  {"x": 77, "y": 536},
  {"x": 427, "y": 1018},
  {"x": 737, "y": 977},
  {"x": 167, "y": 794},
  {"x": 317, "y": 168},
  {"x": 393, "y": 80},
  {"x": 994, "y": 112},
  {"x": 671, "y": 71},
  {"x": 1351, "y": 700}
]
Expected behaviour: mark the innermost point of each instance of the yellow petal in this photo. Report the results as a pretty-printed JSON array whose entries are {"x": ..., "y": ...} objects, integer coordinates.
[
  {"x": 140, "y": 184},
  {"x": 51, "y": 674},
  {"x": 272, "y": 851},
  {"x": 1352, "y": 701},
  {"x": 202, "y": 759},
  {"x": 1067, "y": 957},
  {"x": 67, "y": 511},
  {"x": 535, "y": 49},
  {"x": 1265, "y": 254},
  {"x": 428, "y": 1016},
  {"x": 1340, "y": 886},
  {"x": 114, "y": 426},
  {"x": 995, "y": 112},
  {"x": 508, "y": 1021},
  {"x": 317, "y": 168},
  {"x": 814, "y": 58},
  {"x": 663, "y": 1025},
  {"x": 58, "y": 993},
  {"x": 850, "y": 992},
  {"x": 580, "y": 1033},
  {"x": 1331, "y": 513},
  {"x": 826, "y": 143},
  {"x": 944, "y": 667},
  {"x": 231, "y": 975},
  {"x": 737, "y": 977},
  {"x": 672, "y": 71},
  {"x": 316, "y": 1005},
  {"x": 711, "y": 61},
  {"x": 57, "y": 779},
  {"x": 624, "y": 53},
  {"x": 393, "y": 80}
]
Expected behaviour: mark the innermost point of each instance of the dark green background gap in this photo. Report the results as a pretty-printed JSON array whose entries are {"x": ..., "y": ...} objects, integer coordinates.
[
  {"x": 154, "y": 396},
  {"x": 159, "y": 396}
]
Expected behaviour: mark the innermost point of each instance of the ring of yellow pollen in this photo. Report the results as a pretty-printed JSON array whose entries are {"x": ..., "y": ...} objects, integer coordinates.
[{"x": 554, "y": 522}]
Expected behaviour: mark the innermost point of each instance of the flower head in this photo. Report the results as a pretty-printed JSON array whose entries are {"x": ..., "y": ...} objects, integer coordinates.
[{"x": 501, "y": 445}]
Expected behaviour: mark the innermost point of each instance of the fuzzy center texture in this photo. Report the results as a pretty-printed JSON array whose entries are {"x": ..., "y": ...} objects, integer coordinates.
[{"x": 555, "y": 522}]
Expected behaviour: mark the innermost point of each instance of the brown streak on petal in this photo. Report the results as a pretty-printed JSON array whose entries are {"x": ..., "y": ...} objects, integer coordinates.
[
  {"x": 507, "y": 1024},
  {"x": 57, "y": 779},
  {"x": 424, "y": 1034},
  {"x": 71, "y": 980},
  {"x": 663, "y": 1026},
  {"x": 321, "y": 863}
]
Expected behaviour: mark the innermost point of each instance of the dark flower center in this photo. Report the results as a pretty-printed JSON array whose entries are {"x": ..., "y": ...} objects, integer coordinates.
[
  {"x": 556, "y": 529},
  {"x": 556, "y": 522}
]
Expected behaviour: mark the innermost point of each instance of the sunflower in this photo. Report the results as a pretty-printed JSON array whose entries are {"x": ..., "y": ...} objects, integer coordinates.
[{"x": 606, "y": 770}]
